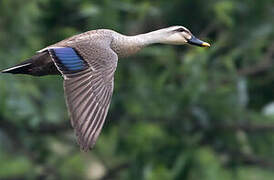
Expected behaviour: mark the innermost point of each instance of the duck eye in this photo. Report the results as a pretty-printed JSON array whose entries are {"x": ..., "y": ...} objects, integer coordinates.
[{"x": 181, "y": 30}]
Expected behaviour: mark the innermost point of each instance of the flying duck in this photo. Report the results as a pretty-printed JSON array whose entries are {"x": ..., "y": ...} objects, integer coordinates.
[{"x": 87, "y": 63}]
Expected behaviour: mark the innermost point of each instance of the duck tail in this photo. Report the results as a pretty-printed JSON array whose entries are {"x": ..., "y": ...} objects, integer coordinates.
[
  {"x": 22, "y": 68},
  {"x": 38, "y": 65}
]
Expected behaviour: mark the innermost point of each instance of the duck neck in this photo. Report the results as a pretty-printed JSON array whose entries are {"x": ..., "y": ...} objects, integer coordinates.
[
  {"x": 151, "y": 37},
  {"x": 127, "y": 45}
]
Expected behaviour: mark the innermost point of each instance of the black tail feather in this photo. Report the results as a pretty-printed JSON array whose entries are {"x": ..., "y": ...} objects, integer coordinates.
[
  {"x": 23, "y": 68},
  {"x": 38, "y": 65}
]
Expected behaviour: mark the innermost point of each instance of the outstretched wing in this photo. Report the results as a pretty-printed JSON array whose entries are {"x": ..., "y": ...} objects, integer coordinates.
[{"x": 88, "y": 86}]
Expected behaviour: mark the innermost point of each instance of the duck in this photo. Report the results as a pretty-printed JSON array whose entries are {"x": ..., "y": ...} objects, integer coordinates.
[{"x": 87, "y": 63}]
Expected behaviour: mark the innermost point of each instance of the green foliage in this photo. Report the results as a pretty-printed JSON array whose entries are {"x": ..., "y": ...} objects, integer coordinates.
[
  {"x": 178, "y": 112},
  {"x": 14, "y": 166}
]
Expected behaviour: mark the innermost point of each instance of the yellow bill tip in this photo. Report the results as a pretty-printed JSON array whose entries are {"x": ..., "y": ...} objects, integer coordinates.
[{"x": 205, "y": 44}]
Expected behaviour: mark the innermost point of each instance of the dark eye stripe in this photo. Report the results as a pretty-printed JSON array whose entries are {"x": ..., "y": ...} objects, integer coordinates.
[{"x": 181, "y": 30}]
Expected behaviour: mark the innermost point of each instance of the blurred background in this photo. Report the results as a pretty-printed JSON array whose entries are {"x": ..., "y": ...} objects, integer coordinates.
[{"x": 178, "y": 112}]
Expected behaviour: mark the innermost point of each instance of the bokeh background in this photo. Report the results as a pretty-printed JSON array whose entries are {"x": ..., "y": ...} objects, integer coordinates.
[{"x": 178, "y": 112}]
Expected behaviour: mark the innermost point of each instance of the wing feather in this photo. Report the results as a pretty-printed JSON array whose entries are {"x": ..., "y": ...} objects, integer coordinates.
[{"x": 88, "y": 91}]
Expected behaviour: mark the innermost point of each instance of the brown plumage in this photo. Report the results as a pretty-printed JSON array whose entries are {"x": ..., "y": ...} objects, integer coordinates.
[{"x": 87, "y": 63}]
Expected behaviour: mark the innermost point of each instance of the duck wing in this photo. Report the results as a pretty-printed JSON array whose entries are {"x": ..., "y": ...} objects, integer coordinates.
[{"x": 88, "y": 86}]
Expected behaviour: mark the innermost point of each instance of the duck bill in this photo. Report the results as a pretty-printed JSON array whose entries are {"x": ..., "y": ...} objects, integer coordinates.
[{"x": 197, "y": 42}]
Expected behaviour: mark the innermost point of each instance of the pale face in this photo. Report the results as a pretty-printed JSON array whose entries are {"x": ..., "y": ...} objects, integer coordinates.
[{"x": 179, "y": 35}]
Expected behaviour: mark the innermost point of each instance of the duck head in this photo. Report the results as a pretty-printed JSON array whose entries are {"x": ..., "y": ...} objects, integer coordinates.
[{"x": 179, "y": 35}]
